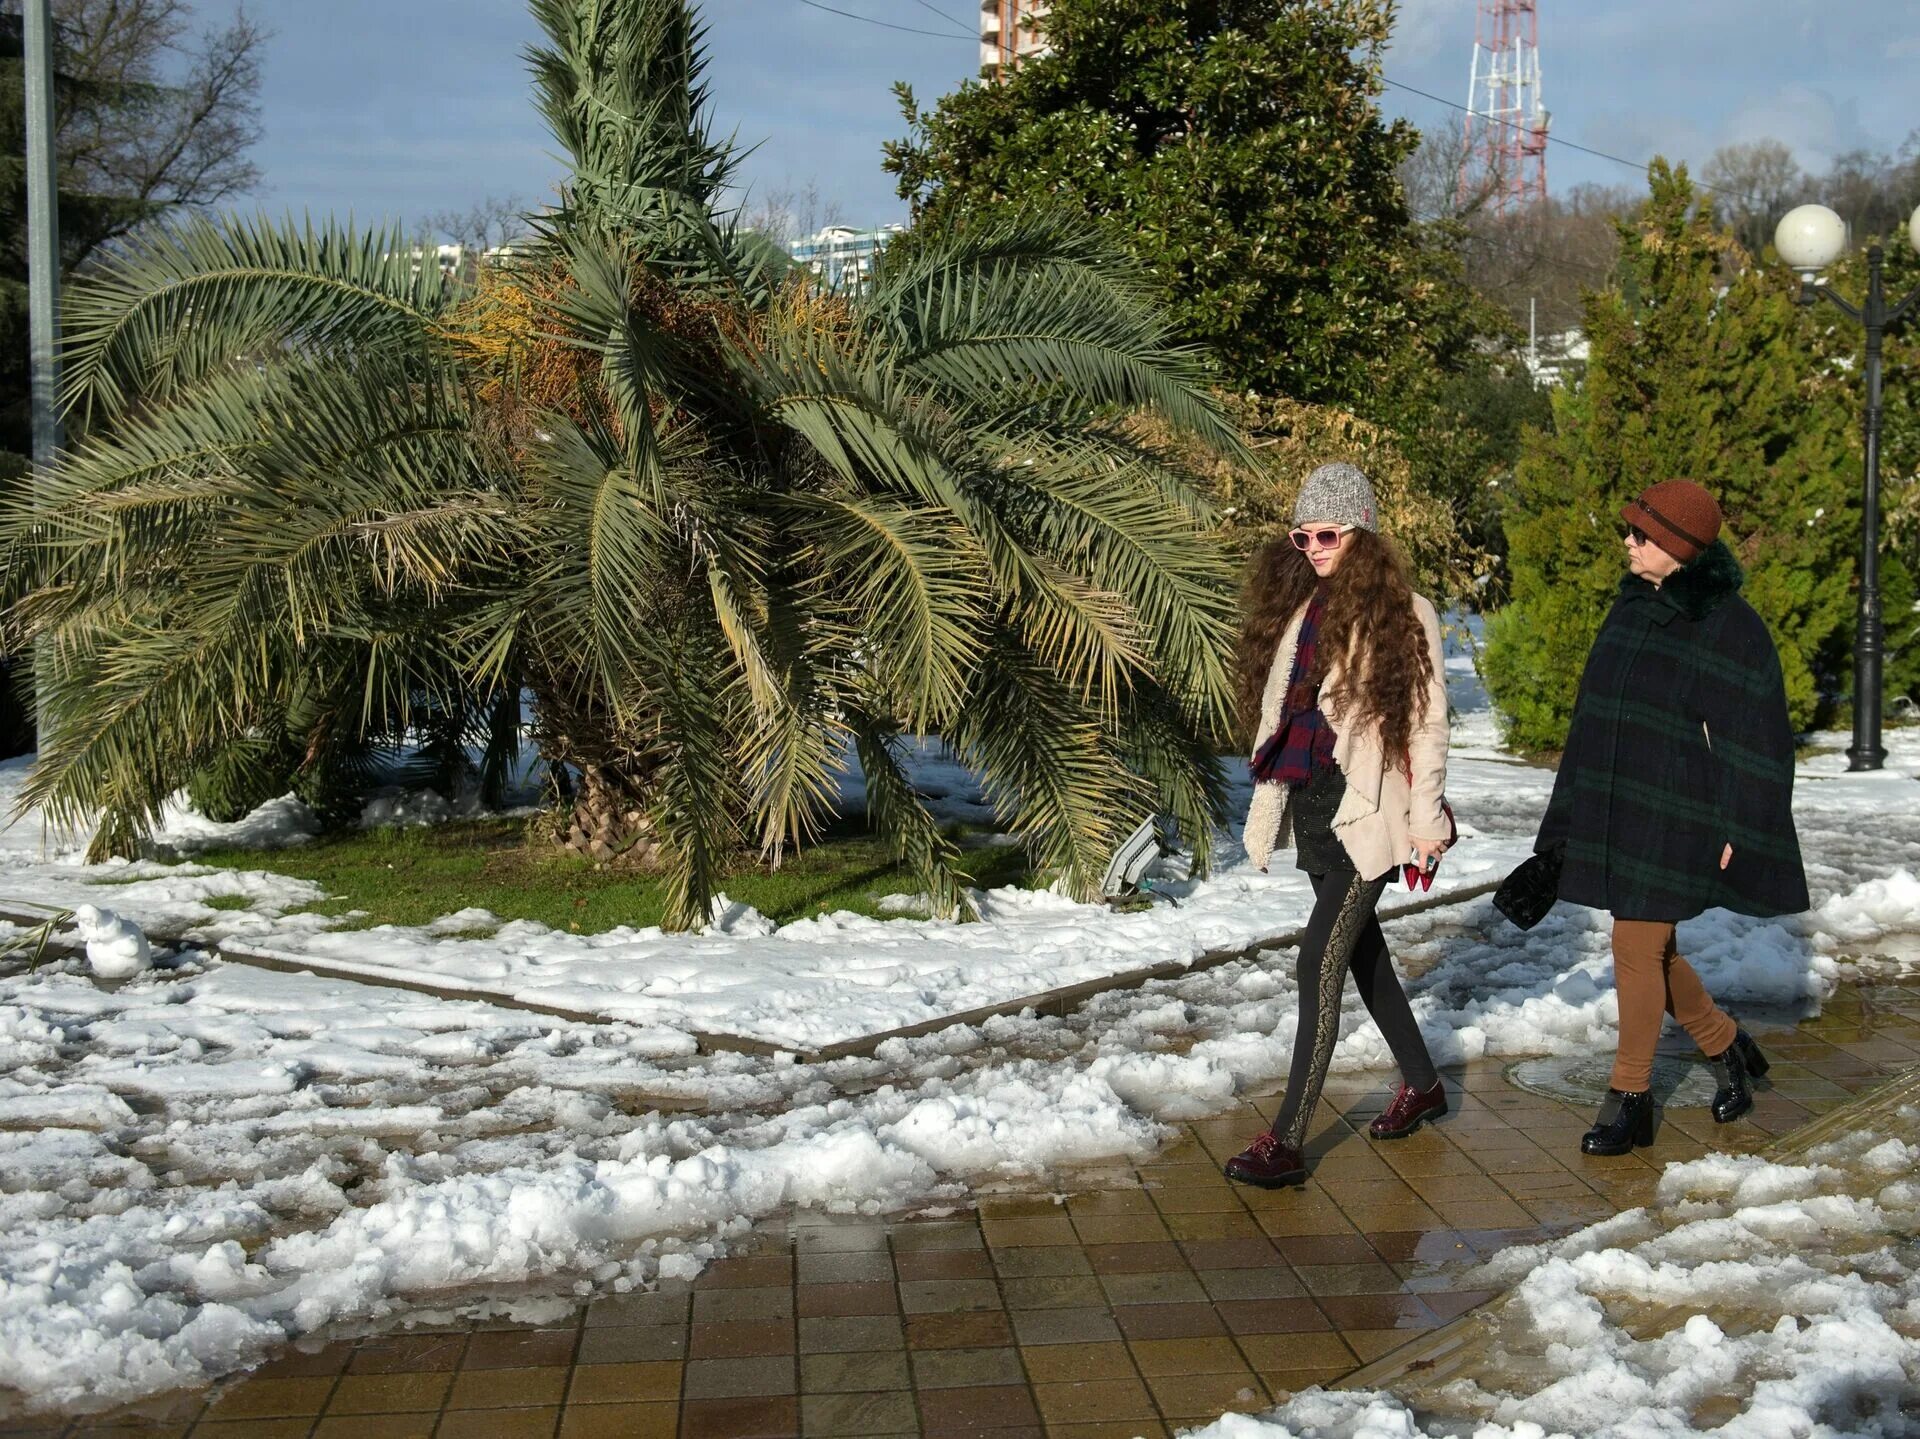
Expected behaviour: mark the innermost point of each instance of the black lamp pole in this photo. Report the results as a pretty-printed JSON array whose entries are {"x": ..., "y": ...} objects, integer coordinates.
[{"x": 1869, "y": 639}]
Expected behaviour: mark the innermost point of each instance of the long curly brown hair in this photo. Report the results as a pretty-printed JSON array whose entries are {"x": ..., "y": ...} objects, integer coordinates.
[{"x": 1368, "y": 630}]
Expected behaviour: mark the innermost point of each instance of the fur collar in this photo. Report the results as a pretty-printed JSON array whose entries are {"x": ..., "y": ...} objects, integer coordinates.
[{"x": 1699, "y": 589}]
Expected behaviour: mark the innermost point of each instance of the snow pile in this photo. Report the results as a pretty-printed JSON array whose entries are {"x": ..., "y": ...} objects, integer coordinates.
[
  {"x": 116, "y": 948},
  {"x": 309, "y": 1152},
  {"x": 1753, "y": 1299}
]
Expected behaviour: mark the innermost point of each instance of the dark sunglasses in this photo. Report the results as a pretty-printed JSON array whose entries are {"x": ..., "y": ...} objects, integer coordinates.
[
  {"x": 1636, "y": 534},
  {"x": 1326, "y": 539}
]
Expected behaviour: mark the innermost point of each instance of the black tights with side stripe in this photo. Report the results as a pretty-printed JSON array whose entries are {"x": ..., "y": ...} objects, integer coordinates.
[{"x": 1344, "y": 934}]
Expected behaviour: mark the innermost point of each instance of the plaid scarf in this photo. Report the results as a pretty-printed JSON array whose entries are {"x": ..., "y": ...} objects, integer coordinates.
[{"x": 1303, "y": 740}]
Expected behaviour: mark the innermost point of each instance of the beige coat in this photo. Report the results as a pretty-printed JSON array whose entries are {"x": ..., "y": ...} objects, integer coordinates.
[{"x": 1383, "y": 811}]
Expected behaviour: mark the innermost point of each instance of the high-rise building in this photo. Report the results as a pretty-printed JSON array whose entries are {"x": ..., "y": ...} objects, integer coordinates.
[
  {"x": 840, "y": 256},
  {"x": 1009, "y": 33}
]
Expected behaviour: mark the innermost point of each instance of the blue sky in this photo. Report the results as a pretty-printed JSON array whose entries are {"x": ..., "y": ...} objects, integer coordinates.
[{"x": 399, "y": 108}]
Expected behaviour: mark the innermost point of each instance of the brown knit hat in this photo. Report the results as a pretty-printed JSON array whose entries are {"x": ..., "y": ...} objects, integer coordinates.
[{"x": 1677, "y": 515}]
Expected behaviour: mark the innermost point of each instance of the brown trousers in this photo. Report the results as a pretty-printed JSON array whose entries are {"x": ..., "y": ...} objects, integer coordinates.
[{"x": 1653, "y": 982}]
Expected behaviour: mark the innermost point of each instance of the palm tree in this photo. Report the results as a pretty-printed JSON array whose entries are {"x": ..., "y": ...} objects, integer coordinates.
[{"x": 724, "y": 527}]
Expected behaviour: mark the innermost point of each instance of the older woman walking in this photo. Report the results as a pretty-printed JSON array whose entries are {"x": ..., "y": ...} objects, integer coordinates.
[
  {"x": 1675, "y": 793},
  {"x": 1341, "y": 660}
]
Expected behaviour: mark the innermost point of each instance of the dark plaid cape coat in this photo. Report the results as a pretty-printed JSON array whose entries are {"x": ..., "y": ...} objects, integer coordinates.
[{"x": 1680, "y": 745}]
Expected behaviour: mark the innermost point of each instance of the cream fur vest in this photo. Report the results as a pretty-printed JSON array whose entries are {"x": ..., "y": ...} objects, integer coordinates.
[{"x": 1384, "y": 810}]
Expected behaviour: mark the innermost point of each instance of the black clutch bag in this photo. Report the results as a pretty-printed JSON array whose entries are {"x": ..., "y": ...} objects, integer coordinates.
[{"x": 1530, "y": 891}]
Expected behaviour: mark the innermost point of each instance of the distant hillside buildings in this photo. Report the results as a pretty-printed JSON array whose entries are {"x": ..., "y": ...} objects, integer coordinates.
[{"x": 840, "y": 256}]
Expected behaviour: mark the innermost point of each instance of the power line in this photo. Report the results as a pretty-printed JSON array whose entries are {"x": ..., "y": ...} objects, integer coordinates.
[
  {"x": 1552, "y": 139},
  {"x": 958, "y": 25},
  {"x": 883, "y": 24},
  {"x": 1395, "y": 84}
]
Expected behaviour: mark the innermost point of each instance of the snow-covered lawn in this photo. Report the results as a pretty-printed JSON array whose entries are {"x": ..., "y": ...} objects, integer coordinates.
[{"x": 207, "y": 1160}]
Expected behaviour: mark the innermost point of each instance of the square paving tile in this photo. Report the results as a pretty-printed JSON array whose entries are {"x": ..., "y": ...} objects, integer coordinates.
[
  {"x": 618, "y": 1421},
  {"x": 862, "y": 1370},
  {"x": 1065, "y": 1363},
  {"x": 949, "y": 1296},
  {"x": 886, "y": 1412},
  {"x": 875, "y": 1297},
  {"x": 764, "y": 1418},
  {"x": 1063, "y": 1292},
  {"x": 954, "y": 1368},
  {"x": 272, "y": 1398},
  {"x": 508, "y": 1388},
  {"x": 1166, "y": 1286},
  {"x": 498, "y": 1424},
  {"x": 728, "y": 1341},
  {"x": 759, "y": 1271},
  {"x": 1377, "y": 1311},
  {"x": 392, "y": 1426},
  {"x": 856, "y": 1332},
  {"x": 949, "y": 1263},
  {"x": 735, "y": 1305},
  {"x": 622, "y": 1309},
  {"x": 1207, "y": 1396},
  {"x": 632, "y": 1344},
  {"x": 1169, "y": 1321},
  {"x": 389, "y": 1393},
  {"x": 405, "y": 1353},
  {"x": 979, "y": 1329},
  {"x": 520, "y": 1348},
  {"x": 1217, "y": 1355},
  {"x": 1121, "y": 1229},
  {"x": 1007, "y": 1233},
  {"x": 941, "y": 1234},
  {"x": 1321, "y": 1350},
  {"x": 1272, "y": 1316},
  {"x": 982, "y": 1406},
  {"x": 740, "y": 1378},
  {"x": 1065, "y": 1326},
  {"x": 1094, "y": 1400},
  {"x": 624, "y": 1383},
  {"x": 1043, "y": 1261}
]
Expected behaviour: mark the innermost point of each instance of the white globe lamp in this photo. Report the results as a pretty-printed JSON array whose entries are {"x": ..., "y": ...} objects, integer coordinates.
[
  {"x": 1812, "y": 237},
  {"x": 1913, "y": 228}
]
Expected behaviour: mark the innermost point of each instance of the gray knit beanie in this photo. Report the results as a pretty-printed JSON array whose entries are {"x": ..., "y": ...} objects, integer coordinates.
[{"x": 1339, "y": 492}]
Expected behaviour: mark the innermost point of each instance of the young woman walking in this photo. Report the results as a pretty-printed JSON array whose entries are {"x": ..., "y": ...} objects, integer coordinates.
[
  {"x": 1340, "y": 661},
  {"x": 1675, "y": 793}
]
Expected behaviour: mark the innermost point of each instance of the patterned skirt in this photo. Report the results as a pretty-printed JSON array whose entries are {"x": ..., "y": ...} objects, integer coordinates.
[{"x": 1314, "y": 804}]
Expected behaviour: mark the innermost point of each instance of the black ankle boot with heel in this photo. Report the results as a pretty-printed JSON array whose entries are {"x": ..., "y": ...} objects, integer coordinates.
[
  {"x": 1739, "y": 1066},
  {"x": 1628, "y": 1126}
]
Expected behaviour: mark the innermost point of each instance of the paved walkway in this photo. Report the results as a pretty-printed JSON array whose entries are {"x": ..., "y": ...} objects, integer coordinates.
[{"x": 1138, "y": 1302}]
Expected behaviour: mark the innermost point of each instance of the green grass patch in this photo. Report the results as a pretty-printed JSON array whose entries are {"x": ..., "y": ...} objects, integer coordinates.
[
  {"x": 415, "y": 875},
  {"x": 227, "y": 901}
]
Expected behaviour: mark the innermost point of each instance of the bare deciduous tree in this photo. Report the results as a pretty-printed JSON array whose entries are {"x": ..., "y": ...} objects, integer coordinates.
[
  {"x": 485, "y": 225},
  {"x": 1439, "y": 183},
  {"x": 1755, "y": 184},
  {"x": 787, "y": 213},
  {"x": 154, "y": 112}
]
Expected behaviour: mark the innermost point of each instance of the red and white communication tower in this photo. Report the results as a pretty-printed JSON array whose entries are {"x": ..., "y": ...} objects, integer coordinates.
[{"x": 1505, "y": 155}]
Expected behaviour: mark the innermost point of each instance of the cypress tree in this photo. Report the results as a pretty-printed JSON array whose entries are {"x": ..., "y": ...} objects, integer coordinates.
[{"x": 1702, "y": 368}]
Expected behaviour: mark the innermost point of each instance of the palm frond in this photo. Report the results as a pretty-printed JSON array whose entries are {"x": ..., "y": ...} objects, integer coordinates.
[
  {"x": 619, "y": 85},
  {"x": 179, "y": 302},
  {"x": 1045, "y": 760}
]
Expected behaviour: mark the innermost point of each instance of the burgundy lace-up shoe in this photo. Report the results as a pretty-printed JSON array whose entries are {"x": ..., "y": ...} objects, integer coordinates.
[
  {"x": 1410, "y": 1109},
  {"x": 1268, "y": 1163}
]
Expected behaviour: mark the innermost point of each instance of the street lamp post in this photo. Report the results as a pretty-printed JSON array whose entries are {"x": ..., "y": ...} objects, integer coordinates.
[{"x": 1810, "y": 238}]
